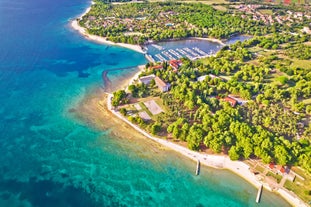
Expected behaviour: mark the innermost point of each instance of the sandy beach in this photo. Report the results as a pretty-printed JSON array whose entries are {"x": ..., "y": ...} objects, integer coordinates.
[
  {"x": 211, "y": 40},
  {"x": 95, "y": 109},
  {"x": 103, "y": 40},
  {"x": 215, "y": 161},
  {"x": 75, "y": 25},
  {"x": 101, "y": 102}
]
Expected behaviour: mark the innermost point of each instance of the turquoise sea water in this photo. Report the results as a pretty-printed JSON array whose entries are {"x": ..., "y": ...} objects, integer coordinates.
[{"x": 48, "y": 158}]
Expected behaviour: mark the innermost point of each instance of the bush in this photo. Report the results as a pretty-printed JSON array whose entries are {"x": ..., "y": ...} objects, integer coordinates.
[{"x": 123, "y": 111}]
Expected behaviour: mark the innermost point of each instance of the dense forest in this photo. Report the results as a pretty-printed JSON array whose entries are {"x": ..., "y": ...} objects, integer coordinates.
[
  {"x": 274, "y": 123},
  {"x": 138, "y": 23}
]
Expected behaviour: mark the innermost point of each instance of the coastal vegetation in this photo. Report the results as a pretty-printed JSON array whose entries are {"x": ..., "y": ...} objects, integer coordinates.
[
  {"x": 272, "y": 120},
  {"x": 138, "y": 23},
  {"x": 251, "y": 100}
]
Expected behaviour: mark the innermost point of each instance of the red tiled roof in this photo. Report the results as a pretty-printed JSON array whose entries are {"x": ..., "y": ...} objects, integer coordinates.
[
  {"x": 175, "y": 63},
  {"x": 231, "y": 101},
  {"x": 280, "y": 168},
  {"x": 156, "y": 67}
]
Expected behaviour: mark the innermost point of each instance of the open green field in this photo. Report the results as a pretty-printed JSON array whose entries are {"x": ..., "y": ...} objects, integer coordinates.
[
  {"x": 306, "y": 64},
  {"x": 301, "y": 188},
  {"x": 276, "y": 176}
]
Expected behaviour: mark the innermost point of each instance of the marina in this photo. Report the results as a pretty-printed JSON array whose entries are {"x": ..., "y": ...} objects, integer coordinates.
[
  {"x": 192, "y": 49},
  {"x": 178, "y": 53}
]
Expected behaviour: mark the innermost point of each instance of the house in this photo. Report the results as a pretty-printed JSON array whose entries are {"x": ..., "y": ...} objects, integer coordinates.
[
  {"x": 156, "y": 67},
  {"x": 271, "y": 166},
  {"x": 175, "y": 64},
  {"x": 280, "y": 169},
  {"x": 202, "y": 78},
  {"x": 146, "y": 79},
  {"x": 162, "y": 85},
  {"x": 231, "y": 101},
  {"x": 238, "y": 99}
]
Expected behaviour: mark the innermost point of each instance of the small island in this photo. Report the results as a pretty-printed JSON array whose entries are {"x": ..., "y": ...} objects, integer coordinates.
[{"x": 249, "y": 102}]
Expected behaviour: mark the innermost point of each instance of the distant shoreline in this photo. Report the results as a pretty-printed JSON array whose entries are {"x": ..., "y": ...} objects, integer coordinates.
[
  {"x": 75, "y": 25},
  {"x": 215, "y": 161}
]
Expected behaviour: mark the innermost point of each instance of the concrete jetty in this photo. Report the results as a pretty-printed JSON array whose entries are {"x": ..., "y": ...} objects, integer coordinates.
[
  {"x": 259, "y": 194},
  {"x": 197, "y": 172}
]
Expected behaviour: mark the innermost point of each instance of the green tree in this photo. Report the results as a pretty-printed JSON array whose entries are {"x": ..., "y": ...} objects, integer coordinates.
[{"x": 234, "y": 153}]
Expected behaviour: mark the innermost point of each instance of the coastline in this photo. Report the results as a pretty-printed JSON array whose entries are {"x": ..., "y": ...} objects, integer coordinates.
[
  {"x": 210, "y": 39},
  {"x": 215, "y": 161},
  {"x": 103, "y": 40},
  {"x": 75, "y": 25}
]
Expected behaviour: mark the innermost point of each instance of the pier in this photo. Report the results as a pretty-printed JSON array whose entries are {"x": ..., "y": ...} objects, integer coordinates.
[
  {"x": 197, "y": 172},
  {"x": 160, "y": 57},
  {"x": 149, "y": 58},
  {"x": 165, "y": 53},
  {"x": 178, "y": 53},
  {"x": 259, "y": 194}
]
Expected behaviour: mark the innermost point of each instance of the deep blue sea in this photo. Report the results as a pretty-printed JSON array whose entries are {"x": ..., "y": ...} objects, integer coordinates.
[{"x": 49, "y": 158}]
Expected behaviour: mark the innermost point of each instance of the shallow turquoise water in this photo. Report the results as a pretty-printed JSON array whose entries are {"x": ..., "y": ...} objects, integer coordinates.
[{"x": 48, "y": 158}]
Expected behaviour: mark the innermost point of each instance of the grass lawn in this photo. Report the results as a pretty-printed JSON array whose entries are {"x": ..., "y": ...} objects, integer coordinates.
[
  {"x": 301, "y": 63},
  {"x": 142, "y": 105},
  {"x": 160, "y": 103},
  {"x": 259, "y": 168},
  {"x": 220, "y": 8},
  {"x": 307, "y": 101},
  {"x": 301, "y": 188},
  {"x": 276, "y": 176},
  {"x": 274, "y": 77},
  {"x": 306, "y": 64},
  {"x": 256, "y": 49}
]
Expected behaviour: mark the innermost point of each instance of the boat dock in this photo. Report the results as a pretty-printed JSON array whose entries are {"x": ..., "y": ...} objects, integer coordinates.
[
  {"x": 160, "y": 57},
  {"x": 149, "y": 58},
  {"x": 178, "y": 53},
  {"x": 173, "y": 52},
  {"x": 197, "y": 172},
  {"x": 259, "y": 194},
  {"x": 198, "y": 50},
  {"x": 165, "y": 53},
  {"x": 157, "y": 46}
]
